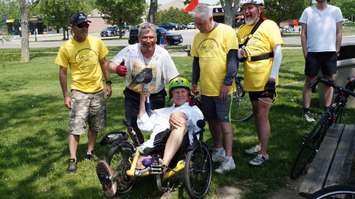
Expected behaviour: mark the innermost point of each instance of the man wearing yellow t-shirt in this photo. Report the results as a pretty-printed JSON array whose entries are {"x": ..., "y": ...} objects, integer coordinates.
[
  {"x": 85, "y": 56},
  {"x": 215, "y": 50},
  {"x": 262, "y": 55}
]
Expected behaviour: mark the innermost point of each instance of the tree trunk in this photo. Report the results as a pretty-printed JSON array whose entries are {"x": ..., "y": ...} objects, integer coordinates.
[
  {"x": 152, "y": 11},
  {"x": 230, "y": 9},
  {"x": 25, "y": 48}
]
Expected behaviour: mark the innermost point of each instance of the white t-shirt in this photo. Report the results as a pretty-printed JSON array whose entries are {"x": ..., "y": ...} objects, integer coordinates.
[
  {"x": 163, "y": 66},
  {"x": 321, "y": 27},
  {"x": 159, "y": 121}
]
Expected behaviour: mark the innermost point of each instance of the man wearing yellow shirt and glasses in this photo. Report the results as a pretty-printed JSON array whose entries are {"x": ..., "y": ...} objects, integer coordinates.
[
  {"x": 260, "y": 48},
  {"x": 85, "y": 56}
]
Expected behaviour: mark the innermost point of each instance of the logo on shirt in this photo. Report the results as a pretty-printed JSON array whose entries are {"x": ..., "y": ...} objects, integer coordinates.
[{"x": 86, "y": 59}]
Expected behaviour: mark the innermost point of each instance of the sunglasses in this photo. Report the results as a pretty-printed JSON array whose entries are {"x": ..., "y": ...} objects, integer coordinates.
[{"x": 83, "y": 25}]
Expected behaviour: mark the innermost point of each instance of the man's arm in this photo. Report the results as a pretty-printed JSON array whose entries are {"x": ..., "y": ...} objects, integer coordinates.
[
  {"x": 106, "y": 72},
  {"x": 195, "y": 74},
  {"x": 304, "y": 39},
  {"x": 232, "y": 68},
  {"x": 63, "y": 85},
  {"x": 339, "y": 36}
]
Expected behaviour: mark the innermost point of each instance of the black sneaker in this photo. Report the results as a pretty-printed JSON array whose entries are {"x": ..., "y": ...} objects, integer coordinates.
[
  {"x": 72, "y": 166},
  {"x": 91, "y": 156}
]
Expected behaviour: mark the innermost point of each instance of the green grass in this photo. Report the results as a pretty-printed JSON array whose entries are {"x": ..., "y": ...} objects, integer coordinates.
[{"x": 33, "y": 129}]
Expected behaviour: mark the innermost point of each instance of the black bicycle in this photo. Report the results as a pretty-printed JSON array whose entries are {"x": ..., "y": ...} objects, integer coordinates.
[
  {"x": 312, "y": 140},
  {"x": 335, "y": 192},
  {"x": 241, "y": 108}
]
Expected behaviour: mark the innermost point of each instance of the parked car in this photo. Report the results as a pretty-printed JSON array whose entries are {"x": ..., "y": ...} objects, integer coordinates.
[
  {"x": 109, "y": 31},
  {"x": 190, "y": 25},
  {"x": 169, "y": 26},
  {"x": 163, "y": 36}
]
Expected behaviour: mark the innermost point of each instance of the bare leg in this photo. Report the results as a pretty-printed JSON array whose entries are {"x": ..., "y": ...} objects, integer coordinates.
[
  {"x": 227, "y": 137},
  {"x": 262, "y": 122},
  {"x": 307, "y": 91},
  {"x": 91, "y": 141},
  {"x": 328, "y": 92},
  {"x": 73, "y": 145},
  {"x": 216, "y": 132},
  {"x": 175, "y": 139}
]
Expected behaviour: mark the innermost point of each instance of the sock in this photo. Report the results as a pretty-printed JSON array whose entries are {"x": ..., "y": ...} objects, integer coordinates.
[{"x": 305, "y": 110}]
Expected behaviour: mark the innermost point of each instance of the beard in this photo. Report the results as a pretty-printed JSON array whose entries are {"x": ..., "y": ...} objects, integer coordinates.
[{"x": 251, "y": 20}]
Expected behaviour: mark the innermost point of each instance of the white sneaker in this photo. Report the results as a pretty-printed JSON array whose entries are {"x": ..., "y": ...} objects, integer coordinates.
[
  {"x": 253, "y": 150},
  {"x": 259, "y": 160},
  {"x": 308, "y": 117},
  {"x": 227, "y": 165},
  {"x": 218, "y": 155}
]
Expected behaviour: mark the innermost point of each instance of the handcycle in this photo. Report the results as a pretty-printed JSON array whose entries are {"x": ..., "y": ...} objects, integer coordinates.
[
  {"x": 192, "y": 163},
  {"x": 335, "y": 192},
  {"x": 241, "y": 108},
  {"x": 312, "y": 140}
]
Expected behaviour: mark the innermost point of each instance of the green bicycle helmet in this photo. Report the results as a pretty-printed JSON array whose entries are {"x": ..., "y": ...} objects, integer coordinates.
[{"x": 179, "y": 82}]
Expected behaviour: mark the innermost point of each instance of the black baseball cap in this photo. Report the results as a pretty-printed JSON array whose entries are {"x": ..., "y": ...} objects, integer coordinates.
[{"x": 79, "y": 18}]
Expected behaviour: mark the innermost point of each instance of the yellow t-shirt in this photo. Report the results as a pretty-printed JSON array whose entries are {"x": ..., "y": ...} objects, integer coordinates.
[
  {"x": 264, "y": 39},
  {"x": 83, "y": 59},
  {"x": 211, "y": 49}
]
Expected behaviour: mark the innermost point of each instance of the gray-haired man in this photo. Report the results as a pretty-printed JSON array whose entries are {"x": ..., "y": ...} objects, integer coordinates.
[{"x": 136, "y": 57}]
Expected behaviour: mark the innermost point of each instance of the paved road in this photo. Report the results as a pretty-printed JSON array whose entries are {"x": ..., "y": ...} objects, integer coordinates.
[{"x": 55, "y": 40}]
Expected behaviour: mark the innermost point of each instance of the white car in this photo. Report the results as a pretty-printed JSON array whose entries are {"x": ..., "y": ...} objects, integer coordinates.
[{"x": 190, "y": 25}]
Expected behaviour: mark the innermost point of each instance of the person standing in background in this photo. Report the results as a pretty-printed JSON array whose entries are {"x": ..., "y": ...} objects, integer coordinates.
[{"x": 321, "y": 36}]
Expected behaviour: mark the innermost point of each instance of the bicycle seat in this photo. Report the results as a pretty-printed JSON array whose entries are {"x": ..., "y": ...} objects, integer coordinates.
[{"x": 113, "y": 137}]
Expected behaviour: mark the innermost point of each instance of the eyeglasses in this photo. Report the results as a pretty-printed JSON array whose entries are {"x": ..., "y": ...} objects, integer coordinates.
[{"x": 82, "y": 25}]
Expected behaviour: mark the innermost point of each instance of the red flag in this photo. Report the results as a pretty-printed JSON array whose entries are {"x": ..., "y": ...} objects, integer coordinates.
[{"x": 191, "y": 6}]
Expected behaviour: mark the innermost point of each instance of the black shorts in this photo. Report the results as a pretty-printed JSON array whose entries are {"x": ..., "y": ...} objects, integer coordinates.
[
  {"x": 214, "y": 108},
  {"x": 255, "y": 95},
  {"x": 325, "y": 61}
]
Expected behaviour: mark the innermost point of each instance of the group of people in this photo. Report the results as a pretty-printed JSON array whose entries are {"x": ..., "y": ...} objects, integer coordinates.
[{"x": 217, "y": 51}]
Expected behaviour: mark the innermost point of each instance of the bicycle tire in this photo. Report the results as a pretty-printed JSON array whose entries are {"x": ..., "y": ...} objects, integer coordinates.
[
  {"x": 240, "y": 109},
  {"x": 118, "y": 159},
  {"x": 198, "y": 171},
  {"x": 334, "y": 192},
  {"x": 309, "y": 147}
]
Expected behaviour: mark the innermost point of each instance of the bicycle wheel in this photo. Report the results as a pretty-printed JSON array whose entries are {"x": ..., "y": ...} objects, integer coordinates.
[
  {"x": 309, "y": 148},
  {"x": 335, "y": 192},
  {"x": 198, "y": 171},
  {"x": 241, "y": 108},
  {"x": 118, "y": 159}
]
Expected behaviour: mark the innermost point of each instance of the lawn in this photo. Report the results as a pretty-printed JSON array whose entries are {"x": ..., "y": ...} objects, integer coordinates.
[{"x": 33, "y": 129}]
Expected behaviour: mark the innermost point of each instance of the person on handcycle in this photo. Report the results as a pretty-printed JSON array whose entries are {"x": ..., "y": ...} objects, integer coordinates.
[{"x": 179, "y": 119}]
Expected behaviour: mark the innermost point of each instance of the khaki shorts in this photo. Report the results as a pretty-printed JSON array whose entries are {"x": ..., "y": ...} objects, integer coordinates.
[{"x": 88, "y": 111}]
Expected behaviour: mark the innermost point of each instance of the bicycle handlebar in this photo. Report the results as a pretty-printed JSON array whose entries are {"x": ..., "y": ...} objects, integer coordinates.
[{"x": 331, "y": 83}]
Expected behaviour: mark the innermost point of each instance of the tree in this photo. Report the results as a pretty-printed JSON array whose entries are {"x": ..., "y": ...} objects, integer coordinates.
[
  {"x": 279, "y": 10},
  {"x": 25, "y": 49},
  {"x": 120, "y": 11},
  {"x": 173, "y": 15},
  {"x": 347, "y": 7},
  {"x": 58, "y": 12},
  {"x": 153, "y": 8},
  {"x": 230, "y": 8}
]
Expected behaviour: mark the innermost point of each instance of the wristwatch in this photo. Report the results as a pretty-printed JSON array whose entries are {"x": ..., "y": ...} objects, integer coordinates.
[{"x": 108, "y": 82}]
